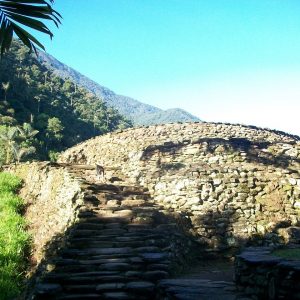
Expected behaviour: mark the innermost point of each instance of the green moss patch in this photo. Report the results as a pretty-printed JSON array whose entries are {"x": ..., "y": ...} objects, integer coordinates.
[{"x": 287, "y": 253}]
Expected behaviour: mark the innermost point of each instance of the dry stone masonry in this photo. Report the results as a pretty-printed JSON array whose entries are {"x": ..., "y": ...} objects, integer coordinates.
[
  {"x": 263, "y": 275},
  {"x": 52, "y": 197},
  {"x": 232, "y": 184},
  {"x": 119, "y": 247},
  {"x": 172, "y": 194}
]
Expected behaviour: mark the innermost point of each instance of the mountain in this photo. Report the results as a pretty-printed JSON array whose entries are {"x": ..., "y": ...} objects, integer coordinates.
[
  {"x": 171, "y": 115},
  {"x": 42, "y": 111},
  {"x": 140, "y": 113}
]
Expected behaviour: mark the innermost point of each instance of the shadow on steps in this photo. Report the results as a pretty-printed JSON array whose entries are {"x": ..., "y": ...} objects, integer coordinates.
[{"x": 120, "y": 247}]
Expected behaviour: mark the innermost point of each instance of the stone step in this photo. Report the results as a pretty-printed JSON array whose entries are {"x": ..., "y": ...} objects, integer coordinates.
[
  {"x": 110, "y": 205},
  {"x": 159, "y": 266},
  {"x": 127, "y": 188},
  {"x": 133, "y": 203},
  {"x": 114, "y": 196},
  {"x": 106, "y": 244},
  {"x": 102, "y": 231},
  {"x": 104, "y": 220},
  {"x": 95, "y": 238},
  {"x": 144, "y": 196},
  {"x": 161, "y": 243},
  {"x": 80, "y": 288},
  {"x": 83, "y": 280},
  {"x": 100, "y": 288},
  {"x": 94, "y": 251},
  {"x": 130, "y": 235},
  {"x": 82, "y": 265},
  {"x": 150, "y": 233},
  {"x": 134, "y": 290},
  {"x": 105, "y": 188},
  {"x": 75, "y": 269},
  {"x": 140, "y": 286},
  {"x": 89, "y": 226},
  {"x": 91, "y": 198},
  {"x": 117, "y": 296},
  {"x": 80, "y": 296},
  {"x": 65, "y": 276},
  {"x": 76, "y": 254},
  {"x": 115, "y": 250},
  {"x": 154, "y": 257},
  {"x": 80, "y": 245},
  {"x": 107, "y": 214},
  {"x": 99, "y": 251}
]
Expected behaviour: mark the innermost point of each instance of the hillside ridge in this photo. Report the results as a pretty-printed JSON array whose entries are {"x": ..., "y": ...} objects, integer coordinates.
[{"x": 140, "y": 113}]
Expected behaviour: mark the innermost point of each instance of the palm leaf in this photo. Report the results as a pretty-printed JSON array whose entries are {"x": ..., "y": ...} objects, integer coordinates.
[{"x": 28, "y": 13}]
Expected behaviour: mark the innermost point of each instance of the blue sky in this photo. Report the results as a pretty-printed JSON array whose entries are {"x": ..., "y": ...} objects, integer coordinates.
[{"x": 223, "y": 60}]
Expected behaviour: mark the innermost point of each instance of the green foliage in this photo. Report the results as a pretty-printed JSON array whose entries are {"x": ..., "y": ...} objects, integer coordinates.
[
  {"x": 16, "y": 142},
  {"x": 54, "y": 129},
  {"x": 53, "y": 156},
  {"x": 56, "y": 112},
  {"x": 14, "y": 240},
  {"x": 15, "y": 13},
  {"x": 9, "y": 183}
]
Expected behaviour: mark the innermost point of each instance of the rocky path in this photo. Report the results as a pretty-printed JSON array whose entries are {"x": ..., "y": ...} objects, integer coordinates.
[
  {"x": 120, "y": 248},
  {"x": 124, "y": 247},
  {"x": 205, "y": 280}
]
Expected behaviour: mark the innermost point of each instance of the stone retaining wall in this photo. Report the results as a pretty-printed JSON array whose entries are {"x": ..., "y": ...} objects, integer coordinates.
[
  {"x": 232, "y": 183},
  {"x": 264, "y": 276},
  {"x": 52, "y": 197}
]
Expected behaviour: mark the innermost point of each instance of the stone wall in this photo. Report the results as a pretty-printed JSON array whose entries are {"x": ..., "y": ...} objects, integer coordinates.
[
  {"x": 52, "y": 197},
  {"x": 232, "y": 183},
  {"x": 265, "y": 276}
]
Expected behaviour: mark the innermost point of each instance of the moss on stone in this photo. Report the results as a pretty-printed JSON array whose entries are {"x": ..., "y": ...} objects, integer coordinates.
[{"x": 288, "y": 253}]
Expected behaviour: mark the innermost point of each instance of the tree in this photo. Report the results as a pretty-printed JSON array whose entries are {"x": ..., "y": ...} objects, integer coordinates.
[
  {"x": 28, "y": 13},
  {"x": 16, "y": 142},
  {"x": 8, "y": 138},
  {"x": 20, "y": 152},
  {"x": 55, "y": 128},
  {"x": 26, "y": 132}
]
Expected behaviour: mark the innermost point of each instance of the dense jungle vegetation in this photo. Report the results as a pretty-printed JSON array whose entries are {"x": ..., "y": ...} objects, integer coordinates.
[{"x": 42, "y": 114}]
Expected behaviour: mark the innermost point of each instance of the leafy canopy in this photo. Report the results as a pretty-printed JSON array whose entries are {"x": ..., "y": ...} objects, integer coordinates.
[{"x": 29, "y": 13}]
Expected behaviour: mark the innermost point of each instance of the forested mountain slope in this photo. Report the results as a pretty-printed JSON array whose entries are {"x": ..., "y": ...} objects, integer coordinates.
[
  {"x": 62, "y": 112},
  {"x": 140, "y": 113}
]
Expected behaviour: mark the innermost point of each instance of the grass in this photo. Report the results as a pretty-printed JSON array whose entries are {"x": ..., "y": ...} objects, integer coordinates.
[
  {"x": 287, "y": 253},
  {"x": 14, "y": 240}
]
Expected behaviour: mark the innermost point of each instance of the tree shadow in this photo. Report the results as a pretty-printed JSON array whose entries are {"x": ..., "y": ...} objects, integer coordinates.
[{"x": 259, "y": 152}]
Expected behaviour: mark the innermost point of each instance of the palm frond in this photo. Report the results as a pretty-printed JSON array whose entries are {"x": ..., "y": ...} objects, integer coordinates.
[
  {"x": 27, "y": 131},
  {"x": 28, "y": 13}
]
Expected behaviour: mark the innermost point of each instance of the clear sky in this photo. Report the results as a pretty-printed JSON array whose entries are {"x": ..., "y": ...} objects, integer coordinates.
[{"x": 232, "y": 61}]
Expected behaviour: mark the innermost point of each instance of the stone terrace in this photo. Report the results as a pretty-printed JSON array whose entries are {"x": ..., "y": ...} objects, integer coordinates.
[{"x": 232, "y": 183}]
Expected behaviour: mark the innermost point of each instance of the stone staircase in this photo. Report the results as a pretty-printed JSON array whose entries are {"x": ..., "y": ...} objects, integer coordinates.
[
  {"x": 124, "y": 246},
  {"x": 120, "y": 248}
]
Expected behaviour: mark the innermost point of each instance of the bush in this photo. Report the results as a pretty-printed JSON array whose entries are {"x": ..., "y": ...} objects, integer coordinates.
[{"x": 53, "y": 156}]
